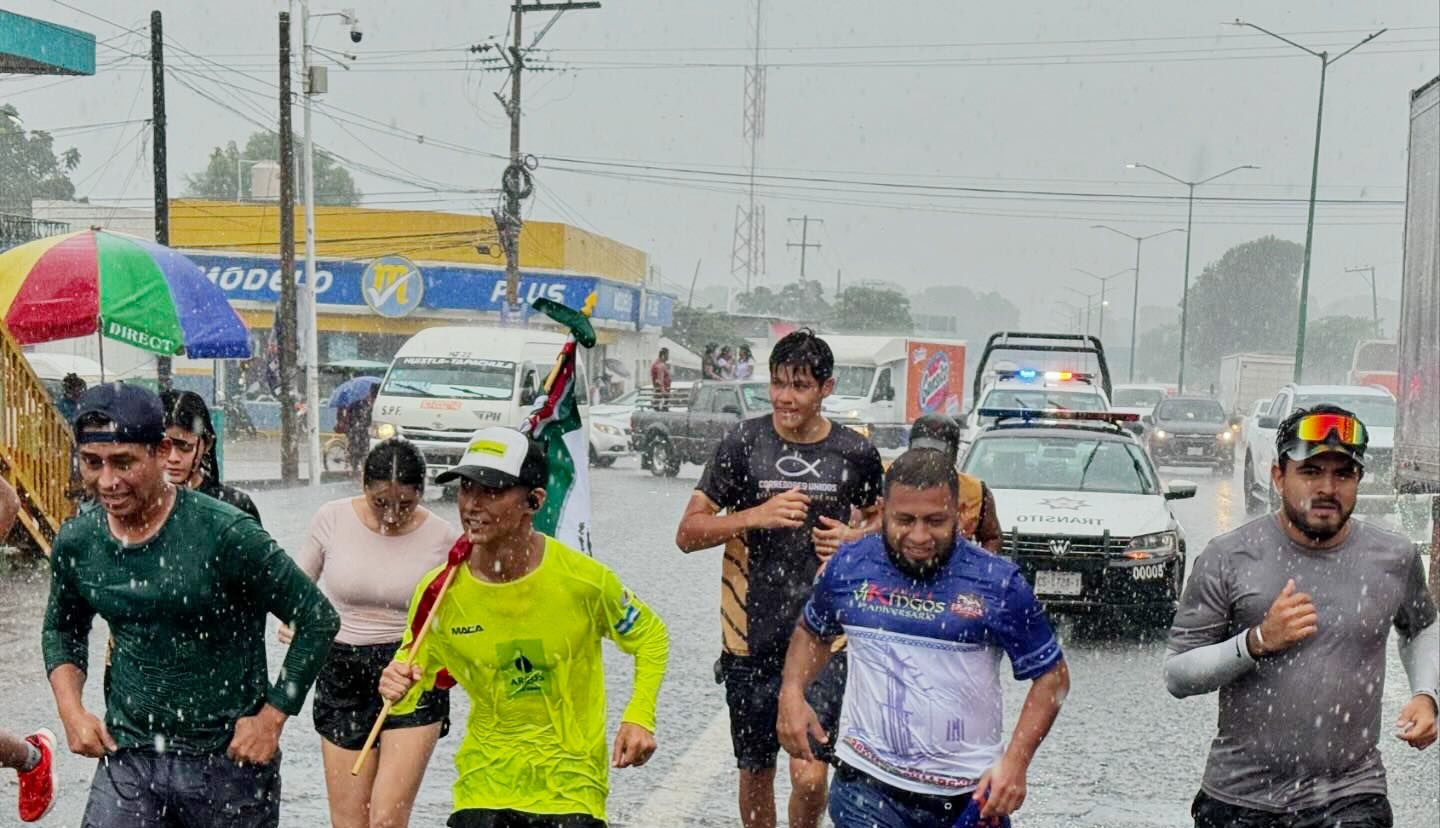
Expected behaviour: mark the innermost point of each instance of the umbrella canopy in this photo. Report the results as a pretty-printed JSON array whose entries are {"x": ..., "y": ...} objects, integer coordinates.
[
  {"x": 352, "y": 391},
  {"x": 122, "y": 287}
]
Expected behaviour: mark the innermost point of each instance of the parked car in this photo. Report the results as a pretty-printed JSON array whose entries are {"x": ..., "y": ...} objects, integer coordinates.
[
  {"x": 1190, "y": 431},
  {"x": 667, "y": 439}
]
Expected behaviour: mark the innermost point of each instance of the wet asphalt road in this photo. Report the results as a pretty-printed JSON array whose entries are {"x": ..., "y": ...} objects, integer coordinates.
[{"x": 1123, "y": 754}]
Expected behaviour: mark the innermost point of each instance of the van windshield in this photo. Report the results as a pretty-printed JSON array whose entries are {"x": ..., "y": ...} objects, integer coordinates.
[
  {"x": 853, "y": 380},
  {"x": 450, "y": 377}
]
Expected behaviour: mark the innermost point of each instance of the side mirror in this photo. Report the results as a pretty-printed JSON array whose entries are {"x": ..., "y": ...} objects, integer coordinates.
[
  {"x": 1180, "y": 490},
  {"x": 1268, "y": 422},
  {"x": 1148, "y": 419},
  {"x": 732, "y": 409}
]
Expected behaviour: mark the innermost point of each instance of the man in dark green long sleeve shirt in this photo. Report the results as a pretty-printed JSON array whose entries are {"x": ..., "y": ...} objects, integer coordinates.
[{"x": 192, "y": 722}]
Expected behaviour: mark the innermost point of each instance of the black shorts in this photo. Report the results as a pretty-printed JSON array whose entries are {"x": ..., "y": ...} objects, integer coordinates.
[
  {"x": 752, "y": 692},
  {"x": 1360, "y": 811},
  {"x": 487, "y": 818},
  {"x": 347, "y": 698}
]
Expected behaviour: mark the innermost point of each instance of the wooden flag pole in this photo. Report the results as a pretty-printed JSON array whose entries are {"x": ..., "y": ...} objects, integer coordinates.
[{"x": 414, "y": 651}]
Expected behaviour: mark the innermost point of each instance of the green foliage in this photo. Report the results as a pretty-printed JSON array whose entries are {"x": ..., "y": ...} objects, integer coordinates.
[
  {"x": 333, "y": 183},
  {"x": 802, "y": 301},
  {"x": 695, "y": 327},
  {"x": 1247, "y": 301},
  {"x": 30, "y": 168},
  {"x": 864, "y": 309}
]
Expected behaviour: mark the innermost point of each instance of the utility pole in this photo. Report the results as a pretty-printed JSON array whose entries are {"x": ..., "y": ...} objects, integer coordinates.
[
  {"x": 1374, "y": 297},
  {"x": 516, "y": 182},
  {"x": 690, "y": 302},
  {"x": 837, "y": 283},
  {"x": 285, "y": 327},
  {"x": 162, "y": 186},
  {"x": 805, "y": 244}
]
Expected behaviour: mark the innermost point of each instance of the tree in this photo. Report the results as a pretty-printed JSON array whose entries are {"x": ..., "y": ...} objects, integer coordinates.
[
  {"x": 804, "y": 301},
  {"x": 695, "y": 327},
  {"x": 333, "y": 183},
  {"x": 863, "y": 309},
  {"x": 29, "y": 165},
  {"x": 1248, "y": 300},
  {"x": 1330, "y": 344}
]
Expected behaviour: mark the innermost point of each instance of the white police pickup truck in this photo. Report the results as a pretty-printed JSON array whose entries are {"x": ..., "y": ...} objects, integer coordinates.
[{"x": 1083, "y": 511}]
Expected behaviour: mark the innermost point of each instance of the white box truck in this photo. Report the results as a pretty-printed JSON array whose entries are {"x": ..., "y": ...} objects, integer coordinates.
[
  {"x": 883, "y": 383},
  {"x": 1245, "y": 378},
  {"x": 1417, "y": 428}
]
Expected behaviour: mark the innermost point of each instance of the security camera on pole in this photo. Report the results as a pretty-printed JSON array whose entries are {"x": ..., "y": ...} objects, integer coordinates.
[{"x": 316, "y": 82}]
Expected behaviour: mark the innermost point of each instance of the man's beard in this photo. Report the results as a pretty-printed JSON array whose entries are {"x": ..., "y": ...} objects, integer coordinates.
[
  {"x": 1318, "y": 534},
  {"x": 920, "y": 570}
]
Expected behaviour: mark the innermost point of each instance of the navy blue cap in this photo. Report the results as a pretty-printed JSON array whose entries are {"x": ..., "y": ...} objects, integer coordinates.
[{"x": 130, "y": 414}]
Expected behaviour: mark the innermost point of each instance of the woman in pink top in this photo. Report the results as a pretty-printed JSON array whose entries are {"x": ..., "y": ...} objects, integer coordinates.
[{"x": 368, "y": 553}]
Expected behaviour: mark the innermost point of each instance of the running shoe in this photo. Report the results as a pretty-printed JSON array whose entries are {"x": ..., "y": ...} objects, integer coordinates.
[{"x": 37, "y": 785}]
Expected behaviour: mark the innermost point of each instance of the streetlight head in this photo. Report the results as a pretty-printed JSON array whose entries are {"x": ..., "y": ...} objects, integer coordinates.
[{"x": 1132, "y": 165}]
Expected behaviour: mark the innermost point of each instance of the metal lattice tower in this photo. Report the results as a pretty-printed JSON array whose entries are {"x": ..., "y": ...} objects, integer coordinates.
[{"x": 747, "y": 250}]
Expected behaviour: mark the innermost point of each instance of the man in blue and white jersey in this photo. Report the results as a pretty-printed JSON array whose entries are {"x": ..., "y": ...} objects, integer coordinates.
[{"x": 928, "y": 616}]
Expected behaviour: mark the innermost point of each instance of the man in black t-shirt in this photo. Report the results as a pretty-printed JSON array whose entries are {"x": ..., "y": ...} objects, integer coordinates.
[{"x": 787, "y": 483}]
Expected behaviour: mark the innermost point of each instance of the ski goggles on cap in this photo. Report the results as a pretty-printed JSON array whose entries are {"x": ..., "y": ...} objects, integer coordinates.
[
  {"x": 1317, "y": 428},
  {"x": 1325, "y": 433}
]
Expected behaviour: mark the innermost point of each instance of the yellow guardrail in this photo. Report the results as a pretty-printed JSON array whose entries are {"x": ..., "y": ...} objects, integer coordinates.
[{"x": 35, "y": 446}]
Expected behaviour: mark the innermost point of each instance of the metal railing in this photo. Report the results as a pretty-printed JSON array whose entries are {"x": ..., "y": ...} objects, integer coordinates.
[
  {"x": 17, "y": 230},
  {"x": 35, "y": 446}
]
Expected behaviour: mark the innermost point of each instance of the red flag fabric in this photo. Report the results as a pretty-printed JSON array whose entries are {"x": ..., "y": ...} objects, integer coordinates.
[{"x": 458, "y": 554}]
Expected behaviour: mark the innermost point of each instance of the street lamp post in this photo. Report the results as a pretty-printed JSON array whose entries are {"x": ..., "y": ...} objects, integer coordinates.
[
  {"x": 1103, "y": 280},
  {"x": 1135, "y": 298},
  {"x": 1089, "y": 304},
  {"x": 1325, "y": 61},
  {"x": 308, "y": 294},
  {"x": 1189, "y": 226}
]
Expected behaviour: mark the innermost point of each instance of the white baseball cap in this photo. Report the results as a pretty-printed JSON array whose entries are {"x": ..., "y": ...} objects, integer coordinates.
[{"x": 498, "y": 458}]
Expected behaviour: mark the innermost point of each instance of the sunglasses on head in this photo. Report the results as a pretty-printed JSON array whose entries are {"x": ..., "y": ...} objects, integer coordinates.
[{"x": 1316, "y": 428}]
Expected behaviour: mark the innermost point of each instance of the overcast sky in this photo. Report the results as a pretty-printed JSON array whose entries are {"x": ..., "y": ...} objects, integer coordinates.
[{"x": 1031, "y": 99}]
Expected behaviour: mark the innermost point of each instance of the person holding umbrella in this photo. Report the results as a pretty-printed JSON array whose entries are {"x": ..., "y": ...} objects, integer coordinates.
[{"x": 354, "y": 401}]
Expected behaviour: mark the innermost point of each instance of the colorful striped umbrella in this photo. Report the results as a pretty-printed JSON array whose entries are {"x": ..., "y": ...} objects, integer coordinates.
[{"x": 122, "y": 287}]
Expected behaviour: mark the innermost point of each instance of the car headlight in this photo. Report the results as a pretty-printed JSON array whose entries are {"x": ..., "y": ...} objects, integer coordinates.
[
  {"x": 1225, "y": 436},
  {"x": 1153, "y": 545},
  {"x": 383, "y": 431},
  {"x": 1161, "y": 434},
  {"x": 605, "y": 428}
]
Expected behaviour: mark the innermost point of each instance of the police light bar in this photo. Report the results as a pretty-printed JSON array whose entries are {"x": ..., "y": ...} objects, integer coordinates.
[
  {"x": 1058, "y": 414},
  {"x": 1033, "y": 374}
]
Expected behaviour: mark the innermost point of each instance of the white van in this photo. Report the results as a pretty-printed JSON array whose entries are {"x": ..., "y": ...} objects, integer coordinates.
[{"x": 446, "y": 382}]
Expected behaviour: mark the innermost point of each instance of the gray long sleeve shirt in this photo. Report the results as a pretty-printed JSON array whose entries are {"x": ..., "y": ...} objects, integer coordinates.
[{"x": 1301, "y": 728}]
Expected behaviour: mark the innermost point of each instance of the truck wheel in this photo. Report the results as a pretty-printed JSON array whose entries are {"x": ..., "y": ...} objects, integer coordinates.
[{"x": 664, "y": 462}]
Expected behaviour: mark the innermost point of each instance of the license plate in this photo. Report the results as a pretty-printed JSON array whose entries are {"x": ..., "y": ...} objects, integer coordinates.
[
  {"x": 1058, "y": 583},
  {"x": 1195, "y": 452}
]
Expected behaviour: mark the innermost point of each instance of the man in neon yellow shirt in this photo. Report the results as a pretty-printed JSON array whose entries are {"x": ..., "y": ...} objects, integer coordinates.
[{"x": 519, "y": 628}]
